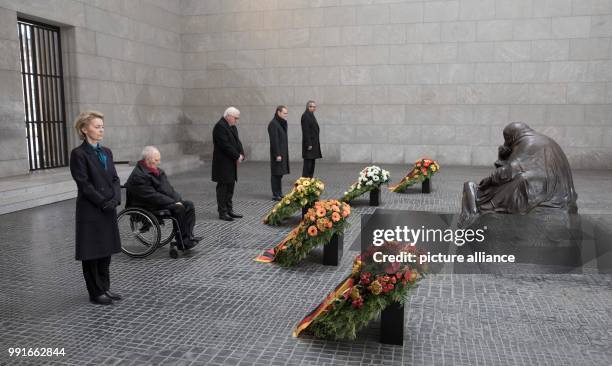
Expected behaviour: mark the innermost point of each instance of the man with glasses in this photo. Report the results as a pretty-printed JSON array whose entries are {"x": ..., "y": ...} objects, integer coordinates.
[
  {"x": 227, "y": 154},
  {"x": 311, "y": 148}
]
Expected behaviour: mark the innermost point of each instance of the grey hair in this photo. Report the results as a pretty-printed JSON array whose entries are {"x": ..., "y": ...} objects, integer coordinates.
[
  {"x": 148, "y": 152},
  {"x": 309, "y": 102},
  {"x": 231, "y": 111}
]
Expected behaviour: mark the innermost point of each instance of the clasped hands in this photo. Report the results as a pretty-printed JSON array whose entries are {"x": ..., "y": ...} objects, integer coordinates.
[{"x": 110, "y": 205}]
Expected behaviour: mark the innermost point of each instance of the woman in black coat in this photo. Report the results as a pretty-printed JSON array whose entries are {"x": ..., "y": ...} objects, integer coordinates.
[
  {"x": 279, "y": 150},
  {"x": 311, "y": 148},
  {"x": 99, "y": 193}
]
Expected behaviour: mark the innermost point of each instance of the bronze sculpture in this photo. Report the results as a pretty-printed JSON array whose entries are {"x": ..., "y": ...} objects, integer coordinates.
[{"x": 531, "y": 171}]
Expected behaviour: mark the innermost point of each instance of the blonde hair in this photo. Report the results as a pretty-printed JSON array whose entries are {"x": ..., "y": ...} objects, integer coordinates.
[{"x": 83, "y": 119}]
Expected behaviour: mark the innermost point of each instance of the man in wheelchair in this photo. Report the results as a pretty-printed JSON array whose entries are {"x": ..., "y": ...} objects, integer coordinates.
[{"x": 148, "y": 188}]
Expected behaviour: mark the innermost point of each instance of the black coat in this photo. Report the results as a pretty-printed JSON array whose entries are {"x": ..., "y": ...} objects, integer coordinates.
[
  {"x": 310, "y": 136},
  {"x": 148, "y": 191},
  {"x": 279, "y": 146},
  {"x": 97, "y": 234},
  {"x": 227, "y": 150}
]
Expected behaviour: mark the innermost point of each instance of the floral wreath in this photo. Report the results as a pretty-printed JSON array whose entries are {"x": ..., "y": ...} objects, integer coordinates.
[
  {"x": 305, "y": 191},
  {"x": 362, "y": 296},
  {"x": 370, "y": 178},
  {"x": 423, "y": 169},
  {"x": 317, "y": 227}
]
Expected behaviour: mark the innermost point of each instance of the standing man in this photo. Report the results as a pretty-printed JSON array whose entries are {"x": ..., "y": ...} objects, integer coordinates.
[
  {"x": 311, "y": 148},
  {"x": 279, "y": 150},
  {"x": 227, "y": 154}
]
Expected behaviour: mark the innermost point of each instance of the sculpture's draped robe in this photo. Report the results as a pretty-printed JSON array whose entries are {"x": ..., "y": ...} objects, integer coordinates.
[{"x": 535, "y": 174}]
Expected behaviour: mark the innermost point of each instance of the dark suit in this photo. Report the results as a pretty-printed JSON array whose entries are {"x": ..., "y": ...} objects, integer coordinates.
[
  {"x": 310, "y": 137},
  {"x": 154, "y": 192},
  {"x": 226, "y": 152},
  {"x": 279, "y": 146},
  {"x": 97, "y": 234}
]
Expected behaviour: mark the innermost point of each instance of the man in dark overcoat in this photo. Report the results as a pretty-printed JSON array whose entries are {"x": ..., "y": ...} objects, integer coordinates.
[
  {"x": 227, "y": 154},
  {"x": 148, "y": 187},
  {"x": 279, "y": 150},
  {"x": 311, "y": 148},
  {"x": 99, "y": 193}
]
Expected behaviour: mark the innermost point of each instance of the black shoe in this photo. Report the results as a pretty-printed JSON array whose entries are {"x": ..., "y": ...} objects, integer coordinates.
[
  {"x": 101, "y": 300},
  {"x": 113, "y": 295},
  {"x": 277, "y": 198},
  {"x": 234, "y": 215},
  {"x": 196, "y": 239},
  {"x": 225, "y": 217},
  {"x": 188, "y": 244}
]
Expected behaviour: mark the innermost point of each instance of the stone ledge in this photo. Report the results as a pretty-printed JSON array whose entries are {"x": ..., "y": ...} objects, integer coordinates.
[{"x": 45, "y": 187}]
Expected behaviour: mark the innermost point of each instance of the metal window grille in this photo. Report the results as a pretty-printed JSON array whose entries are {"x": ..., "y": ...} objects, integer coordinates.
[{"x": 43, "y": 94}]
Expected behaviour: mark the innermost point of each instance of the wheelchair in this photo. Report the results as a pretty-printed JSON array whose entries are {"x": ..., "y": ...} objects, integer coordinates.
[{"x": 142, "y": 232}]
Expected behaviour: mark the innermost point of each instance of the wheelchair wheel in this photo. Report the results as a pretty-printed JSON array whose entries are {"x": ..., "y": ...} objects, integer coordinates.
[
  {"x": 166, "y": 231},
  {"x": 139, "y": 231}
]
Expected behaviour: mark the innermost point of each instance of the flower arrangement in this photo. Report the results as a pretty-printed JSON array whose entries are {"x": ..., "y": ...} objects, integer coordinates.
[
  {"x": 305, "y": 191},
  {"x": 368, "y": 290},
  {"x": 423, "y": 169},
  {"x": 370, "y": 178},
  {"x": 319, "y": 224}
]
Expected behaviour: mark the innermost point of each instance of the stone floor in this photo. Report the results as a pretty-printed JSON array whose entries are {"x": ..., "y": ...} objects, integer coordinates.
[{"x": 219, "y": 307}]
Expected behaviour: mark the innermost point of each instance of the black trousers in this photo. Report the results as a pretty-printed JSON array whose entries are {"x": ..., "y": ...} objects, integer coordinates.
[
  {"x": 185, "y": 215},
  {"x": 277, "y": 185},
  {"x": 225, "y": 192},
  {"x": 308, "y": 168},
  {"x": 97, "y": 277}
]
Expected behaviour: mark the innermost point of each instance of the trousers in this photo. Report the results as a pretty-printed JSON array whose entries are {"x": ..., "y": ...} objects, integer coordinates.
[
  {"x": 277, "y": 185},
  {"x": 225, "y": 192},
  {"x": 185, "y": 215},
  {"x": 97, "y": 276},
  {"x": 308, "y": 168}
]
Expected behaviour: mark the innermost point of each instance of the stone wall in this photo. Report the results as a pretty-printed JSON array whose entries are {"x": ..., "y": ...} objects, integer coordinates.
[
  {"x": 395, "y": 80},
  {"x": 120, "y": 57},
  {"x": 13, "y": 153}
]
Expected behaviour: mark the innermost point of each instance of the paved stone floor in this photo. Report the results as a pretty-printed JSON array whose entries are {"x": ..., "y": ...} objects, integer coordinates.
[{"x": 219, "y": 307}]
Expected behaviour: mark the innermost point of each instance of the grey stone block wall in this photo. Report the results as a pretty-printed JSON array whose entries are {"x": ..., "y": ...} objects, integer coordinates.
[
  {"x": 120, "y": 57},
  {"x": 13, "y": 153},
  {"x": 396, "y": 80}
]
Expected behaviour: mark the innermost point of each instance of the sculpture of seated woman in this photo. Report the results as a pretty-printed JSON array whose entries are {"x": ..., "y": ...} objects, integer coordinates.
[{"x": 531, "y": 171}]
